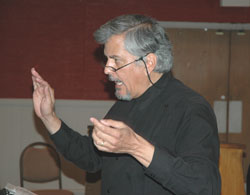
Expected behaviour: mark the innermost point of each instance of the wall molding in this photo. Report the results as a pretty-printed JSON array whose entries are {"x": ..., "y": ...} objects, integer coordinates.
[{"x": 206, "y": 25}]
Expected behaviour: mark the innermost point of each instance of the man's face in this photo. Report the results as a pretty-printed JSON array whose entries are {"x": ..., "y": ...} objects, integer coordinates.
[{"x": 130, "y": 81}]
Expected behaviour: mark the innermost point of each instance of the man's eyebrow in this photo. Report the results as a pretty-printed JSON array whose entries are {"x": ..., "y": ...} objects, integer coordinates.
[{"x": 114, "y": 57}]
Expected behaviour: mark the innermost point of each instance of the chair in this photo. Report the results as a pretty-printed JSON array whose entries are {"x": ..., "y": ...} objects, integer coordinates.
[
  {"x": 40, "y": 163},
  {"x": 93, "y": 183}
]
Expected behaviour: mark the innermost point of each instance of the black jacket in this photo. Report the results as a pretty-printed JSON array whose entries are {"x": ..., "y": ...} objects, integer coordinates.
[{"x": 182, "y": 127}]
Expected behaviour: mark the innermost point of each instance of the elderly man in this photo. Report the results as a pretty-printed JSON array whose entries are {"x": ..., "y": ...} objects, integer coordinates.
[{"x": 159, "y": 138}]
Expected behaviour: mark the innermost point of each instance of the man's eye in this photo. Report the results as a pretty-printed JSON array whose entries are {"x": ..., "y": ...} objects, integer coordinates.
[{"x": 117, "y": 61}]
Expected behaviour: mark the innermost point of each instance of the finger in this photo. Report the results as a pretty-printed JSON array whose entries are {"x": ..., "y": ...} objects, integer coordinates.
[
  {"x": 100, "y": 124},
  {"x": 94, "y": 120},
  {"x": 111, "y": 139},
  {"x": 112, "y": 132},
  {"x": 97, "y": 140},
  {"x": 41, "y": 82},
  {"x": 102, "y": 147},
  {"x": 37, "y": 79},
  {"x": 99, "y": 143},
  {"x": 50, "y": 93},
  {"x": 97, "y": 124},
  {"x": 35, "y": 73},
  {"x": 113, "y": 123},
  {"x": 101, "y": 134},
  {"x": 47, "y": 94},
  {"x": 34, "y": 83}
]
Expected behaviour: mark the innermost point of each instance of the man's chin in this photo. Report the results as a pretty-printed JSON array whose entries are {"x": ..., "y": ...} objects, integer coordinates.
[{"x": 126, "y": 97}]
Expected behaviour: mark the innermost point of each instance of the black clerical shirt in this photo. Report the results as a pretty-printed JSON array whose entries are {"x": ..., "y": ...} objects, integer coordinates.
[{"x": 182, "y": 127}]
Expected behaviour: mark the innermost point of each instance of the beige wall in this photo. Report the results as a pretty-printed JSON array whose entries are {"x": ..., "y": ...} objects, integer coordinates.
[{"x": 19, "y": 127}]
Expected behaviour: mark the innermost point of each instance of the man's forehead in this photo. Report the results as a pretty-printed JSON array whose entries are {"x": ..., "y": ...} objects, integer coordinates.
[{"x": 114, "y": 46}]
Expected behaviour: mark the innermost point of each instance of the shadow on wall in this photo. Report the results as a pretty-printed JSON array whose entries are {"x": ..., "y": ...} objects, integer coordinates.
[{"x": 68, "y": 168}]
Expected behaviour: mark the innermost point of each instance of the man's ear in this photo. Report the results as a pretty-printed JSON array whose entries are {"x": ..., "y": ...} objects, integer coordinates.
[{"x": 151, "y": 61}]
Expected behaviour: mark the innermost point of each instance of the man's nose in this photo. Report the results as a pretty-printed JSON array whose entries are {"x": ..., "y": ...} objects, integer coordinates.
[{"x": 109, "y": 68}]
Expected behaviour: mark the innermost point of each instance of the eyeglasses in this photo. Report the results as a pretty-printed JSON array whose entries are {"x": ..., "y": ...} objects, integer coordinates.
[
  {"x": 123, "y": 66},
  {"x": 139, "y": 59}
]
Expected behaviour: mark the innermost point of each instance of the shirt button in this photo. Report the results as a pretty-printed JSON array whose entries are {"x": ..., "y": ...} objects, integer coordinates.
[
  {"x": 108, "y": 191},
  {"x": 116, "y": 158}
]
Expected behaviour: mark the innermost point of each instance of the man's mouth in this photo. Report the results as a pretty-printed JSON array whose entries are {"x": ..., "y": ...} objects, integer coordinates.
[{"x": 117, "y": 81}]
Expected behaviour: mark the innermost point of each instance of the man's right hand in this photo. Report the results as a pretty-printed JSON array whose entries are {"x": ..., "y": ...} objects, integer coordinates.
[{"x": 44, "y": 102}]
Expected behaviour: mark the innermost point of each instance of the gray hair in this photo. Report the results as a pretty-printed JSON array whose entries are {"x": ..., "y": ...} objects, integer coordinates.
[{"x": 143, "y": 35}]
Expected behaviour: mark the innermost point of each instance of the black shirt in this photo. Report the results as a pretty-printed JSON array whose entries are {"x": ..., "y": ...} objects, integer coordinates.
[{"x": 182, "y": 127}]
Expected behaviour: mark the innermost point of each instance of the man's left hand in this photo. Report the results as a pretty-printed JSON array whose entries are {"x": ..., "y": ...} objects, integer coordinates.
[
  {"x": 116, "y": 137},
  {"x": 113, "y": 136}
]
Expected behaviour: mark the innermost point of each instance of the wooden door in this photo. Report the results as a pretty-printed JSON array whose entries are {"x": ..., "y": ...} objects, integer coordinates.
[
  {"x": 217, "y": 65},
  {"x": 201, "y": 61},
  {"x": 240, "y": 88}
]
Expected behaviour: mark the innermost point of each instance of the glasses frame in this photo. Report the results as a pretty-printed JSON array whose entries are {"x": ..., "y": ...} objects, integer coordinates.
[
  {"x": 123, "y": 66},
  {"x": 139, "y": 59}
]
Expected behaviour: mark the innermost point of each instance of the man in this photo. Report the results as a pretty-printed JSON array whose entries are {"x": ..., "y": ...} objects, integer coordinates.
[{"x": 160, "y": 138}]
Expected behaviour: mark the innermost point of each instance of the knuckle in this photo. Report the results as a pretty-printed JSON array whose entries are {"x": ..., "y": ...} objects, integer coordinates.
[
  {"x": 112, "y": 149},
  {"x": 115, "y": 143},
  {"x": 117, "y": 135},
  {"x": 97, "y": 133}
]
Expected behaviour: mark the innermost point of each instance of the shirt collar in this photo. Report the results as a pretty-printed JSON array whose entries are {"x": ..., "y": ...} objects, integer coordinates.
[{"x": 155, "y": 89}]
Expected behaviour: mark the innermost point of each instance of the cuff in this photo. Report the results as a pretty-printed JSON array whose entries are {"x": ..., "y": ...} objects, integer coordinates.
[{"x": 161, "y": 165}]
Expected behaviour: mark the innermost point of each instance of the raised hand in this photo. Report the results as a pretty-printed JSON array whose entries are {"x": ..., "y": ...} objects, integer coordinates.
[{"x": 44, "y": 102}]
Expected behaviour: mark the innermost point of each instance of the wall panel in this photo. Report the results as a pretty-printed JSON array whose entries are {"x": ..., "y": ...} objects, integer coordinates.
[{"x": 56, "y": 37}]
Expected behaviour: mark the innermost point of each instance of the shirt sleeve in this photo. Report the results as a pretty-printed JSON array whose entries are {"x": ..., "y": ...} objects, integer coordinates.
[
  {"x": 193, "y": 167},
  {"x": 77, "y": 148}
]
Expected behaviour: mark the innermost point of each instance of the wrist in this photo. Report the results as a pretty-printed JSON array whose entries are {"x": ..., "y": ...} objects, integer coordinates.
[
  {"x": 143, "y": 151},
  {"x": 52, "y": 123}
]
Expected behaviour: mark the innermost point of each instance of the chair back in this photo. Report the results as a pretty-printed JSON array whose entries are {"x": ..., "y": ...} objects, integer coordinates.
[{"x": 40, "y": 162}]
